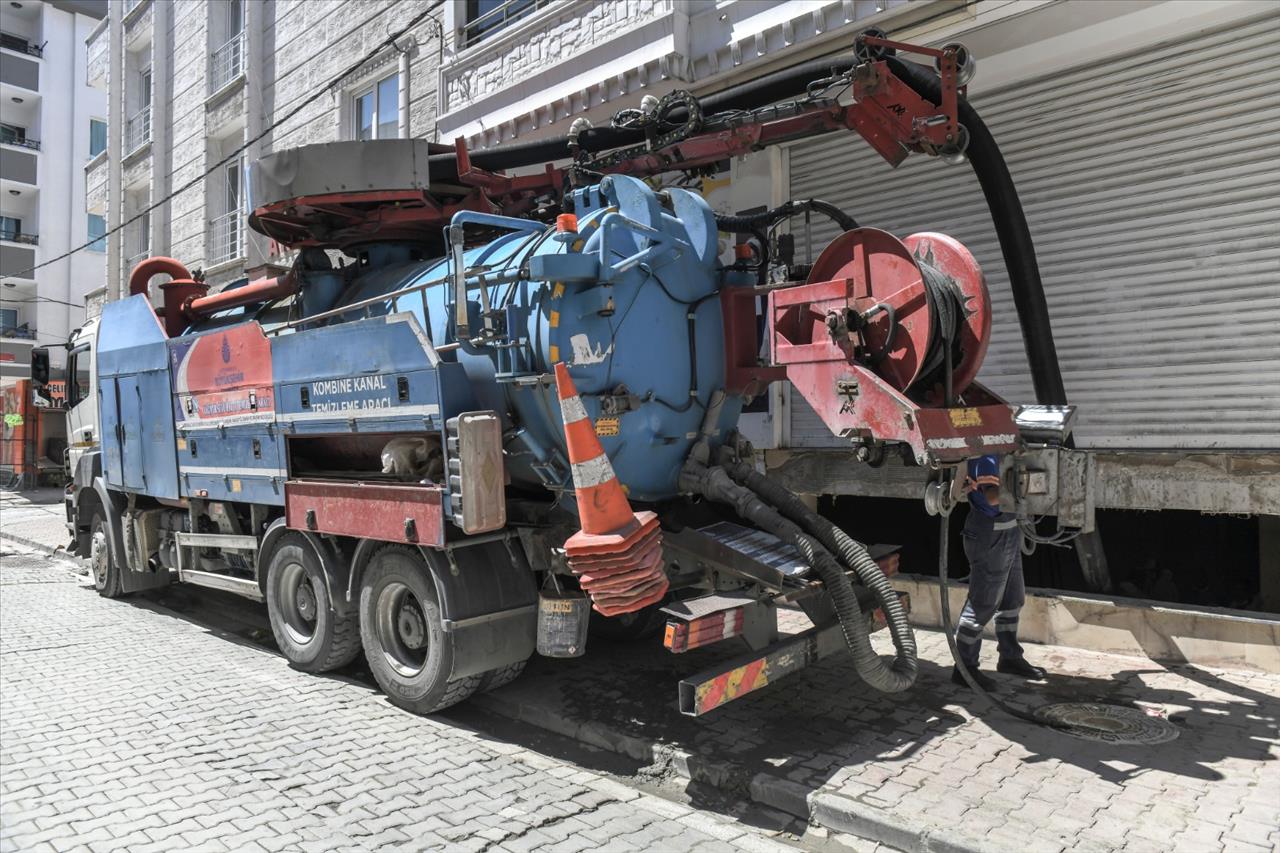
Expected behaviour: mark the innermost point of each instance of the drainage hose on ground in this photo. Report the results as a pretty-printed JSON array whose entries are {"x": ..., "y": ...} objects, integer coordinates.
[
  {"x": 945, "y": 600},
  {"x": 716, "y": 485},
  {"x": 850, "y": 552}
]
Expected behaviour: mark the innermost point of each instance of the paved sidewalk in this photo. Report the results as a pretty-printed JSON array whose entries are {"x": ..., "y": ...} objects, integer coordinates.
[
  {"x": 935, "y": 768},
  {"x": 36, "y": 518},
  {"x": 124, "y": 727}
]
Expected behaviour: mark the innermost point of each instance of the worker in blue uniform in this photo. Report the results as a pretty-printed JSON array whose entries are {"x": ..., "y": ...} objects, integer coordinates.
[{"x": 993, "y": 545}]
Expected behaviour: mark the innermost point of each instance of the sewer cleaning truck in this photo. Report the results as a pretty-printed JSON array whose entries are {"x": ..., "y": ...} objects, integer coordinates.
[{"x": 488, "y": 408}]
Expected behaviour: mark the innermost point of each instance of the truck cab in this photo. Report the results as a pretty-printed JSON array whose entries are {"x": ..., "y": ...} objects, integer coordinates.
[{"x": 79, "y": 396}]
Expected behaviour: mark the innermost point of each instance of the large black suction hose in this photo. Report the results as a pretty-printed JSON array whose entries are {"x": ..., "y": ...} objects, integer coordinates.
[
  {"x": 1011, "y": 228},
  {"x": 715, "y": 484},
  {"x": 747, "y": 223},
  {"x": 850, "y": 551}
]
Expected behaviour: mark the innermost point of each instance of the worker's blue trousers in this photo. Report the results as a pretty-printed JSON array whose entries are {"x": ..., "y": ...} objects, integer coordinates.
[{"x": 995, "y": 586}]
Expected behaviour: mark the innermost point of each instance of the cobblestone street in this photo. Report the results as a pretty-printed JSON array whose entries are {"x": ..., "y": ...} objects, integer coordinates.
[
  {"x": 168, "y": 720},
  {"x": 124, "y": 727}
]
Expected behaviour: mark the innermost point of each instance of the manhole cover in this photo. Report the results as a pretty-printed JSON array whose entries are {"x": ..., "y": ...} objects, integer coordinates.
[{"x": 1118, "y": 724}]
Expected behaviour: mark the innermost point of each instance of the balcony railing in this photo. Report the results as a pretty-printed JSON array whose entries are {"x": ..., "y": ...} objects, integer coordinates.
[
  {"x": 20, "y": 44},
  {"x": 226, "y": 63},
  {"x": 137, "y": 132},
  {"x": 226, "y": 238},
  {"x": 19, "y": 237},
  {"x": 25, "y": 142},
  {"x": 23, "y": 332},
  {"x": 498, "y": 17}
]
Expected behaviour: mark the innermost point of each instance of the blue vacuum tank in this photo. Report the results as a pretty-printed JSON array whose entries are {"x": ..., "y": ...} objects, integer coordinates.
[{"x": 628, "y": 298}]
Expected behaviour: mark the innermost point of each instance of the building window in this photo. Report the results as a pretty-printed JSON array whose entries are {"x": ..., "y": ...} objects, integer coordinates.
[
  {"x": 377, "y": 110},
  {"x": 486, "y": 17},
  {"x": 97, "y": 136},
  {"x": 226, "y": 232},
  {"x": 227, "y": 33},
  {"x": 8, "y": 319},
  {"x": 137, "y": 235},
  {"x": 138, "y": 129},
  {"x": 97, "y": 233},
  {"x": 10, "y": 227}
]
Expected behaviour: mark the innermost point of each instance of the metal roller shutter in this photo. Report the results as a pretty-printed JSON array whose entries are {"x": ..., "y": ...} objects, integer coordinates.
[{"x": 1152, "y": 187}]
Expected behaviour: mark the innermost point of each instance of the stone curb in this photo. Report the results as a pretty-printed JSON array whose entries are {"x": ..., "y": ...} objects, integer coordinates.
[
  {"x": 835, "y": 812},
  {"x": 844, "y": 814},
  {"x": 49, "y": 550}
]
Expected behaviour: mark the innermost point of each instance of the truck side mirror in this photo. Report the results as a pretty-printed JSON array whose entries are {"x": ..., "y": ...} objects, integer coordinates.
[{"x": 40, "y": 373}]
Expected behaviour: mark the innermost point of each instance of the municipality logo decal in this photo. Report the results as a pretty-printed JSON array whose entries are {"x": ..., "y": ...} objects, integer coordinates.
[{"x": 226, "y": 351}]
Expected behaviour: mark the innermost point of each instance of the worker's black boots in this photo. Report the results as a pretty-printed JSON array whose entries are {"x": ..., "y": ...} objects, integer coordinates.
[
  {"x": 983, "y": 680},
  {"x": 1019, "y": 666}
]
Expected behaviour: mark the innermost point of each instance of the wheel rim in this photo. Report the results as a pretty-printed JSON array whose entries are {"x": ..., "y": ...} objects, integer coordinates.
[
  {"x": 401, "y": 625},
  {"x": 99, "y": 557},
  {"x": 299, "y": 603}
]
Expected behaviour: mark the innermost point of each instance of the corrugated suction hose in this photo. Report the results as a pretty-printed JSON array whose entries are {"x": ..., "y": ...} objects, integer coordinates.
[
  {"x": 715, "y": 484},
  {"x": 851, "y": 552}
]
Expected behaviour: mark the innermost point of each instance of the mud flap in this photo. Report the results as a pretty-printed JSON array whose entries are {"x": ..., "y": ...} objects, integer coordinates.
[{"x": 488, "y": 600}]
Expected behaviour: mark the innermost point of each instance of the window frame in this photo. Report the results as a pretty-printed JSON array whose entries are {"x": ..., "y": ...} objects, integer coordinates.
[
  {"x": 372, "y": 89},
  {"x": 73, "y": 385},
  {"x": 102, "y": 121},
  {"x": 98, "y": 243}
]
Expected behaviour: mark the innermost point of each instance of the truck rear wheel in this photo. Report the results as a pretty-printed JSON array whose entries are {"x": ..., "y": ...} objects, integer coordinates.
[
  {"x": 409, "y": 652},
  {"x": 106, "y": 574},
  {"x": 307, "y": 630}
]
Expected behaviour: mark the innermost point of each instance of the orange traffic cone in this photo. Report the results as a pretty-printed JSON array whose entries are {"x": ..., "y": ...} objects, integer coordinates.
[{"x": 617, "y": 555}]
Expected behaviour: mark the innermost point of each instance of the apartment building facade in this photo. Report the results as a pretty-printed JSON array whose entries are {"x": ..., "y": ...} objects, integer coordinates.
[
  {"x": 201, "y": 79},
  {"x": 51, "y": 124}
]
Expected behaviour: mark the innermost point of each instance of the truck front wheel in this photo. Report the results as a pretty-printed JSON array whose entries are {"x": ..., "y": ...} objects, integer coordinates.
[
  {"x": 308, "y": 632},
  {"x": 409, "y": 652},
  {"x": 106, "y": 574}
]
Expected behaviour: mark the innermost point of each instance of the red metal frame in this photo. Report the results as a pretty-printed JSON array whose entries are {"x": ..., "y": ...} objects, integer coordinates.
[
  {"x": 826, "y": 356},
  {"x": 892, "y": 118},
  {"x": 390, "y": 513}
]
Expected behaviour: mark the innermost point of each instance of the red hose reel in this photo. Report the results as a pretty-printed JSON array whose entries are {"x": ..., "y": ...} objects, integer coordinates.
[{"x": 865, "y": 340}]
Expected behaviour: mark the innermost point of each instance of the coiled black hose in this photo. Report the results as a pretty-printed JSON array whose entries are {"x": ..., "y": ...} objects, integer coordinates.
[
  {"x": 851, "y": 552},
  {"x": 715, "y": 484}
]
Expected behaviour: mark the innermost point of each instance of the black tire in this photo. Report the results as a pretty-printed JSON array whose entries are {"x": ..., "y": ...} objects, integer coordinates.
[
  {"x": 628, "y": 627},
  {"x": 409, "y": 652},
  {"x": 307, "y": 630},
  {"x": 104, "y": 570},
  {"x": 503, "y": 675}
]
